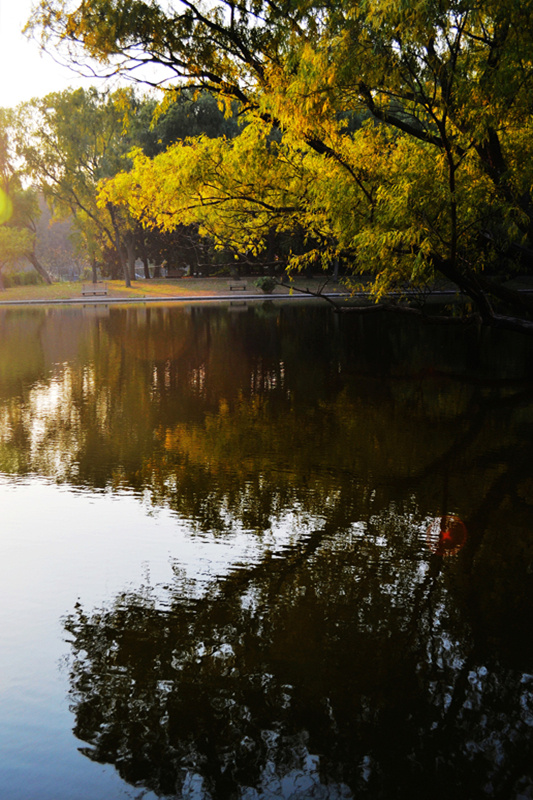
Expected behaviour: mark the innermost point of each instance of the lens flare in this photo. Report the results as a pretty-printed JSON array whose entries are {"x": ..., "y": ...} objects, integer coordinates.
[
  {"x": 6, "y": 207},
  {"x": 446, "y": 535}
]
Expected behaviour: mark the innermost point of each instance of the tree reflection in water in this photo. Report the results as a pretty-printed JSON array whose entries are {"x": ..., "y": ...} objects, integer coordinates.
[
  {"x": 355, "y": 663},
  {"x": 350, "y": 668}
]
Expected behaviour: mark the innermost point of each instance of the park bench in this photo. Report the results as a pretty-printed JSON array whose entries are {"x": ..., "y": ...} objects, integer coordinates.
[
  {"x": 94, "y": 288},
  {"x": 237, "y": 284}
]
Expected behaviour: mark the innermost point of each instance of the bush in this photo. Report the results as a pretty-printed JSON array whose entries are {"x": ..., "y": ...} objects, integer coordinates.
[
  {"x": 24, "y": 278},
  {"x": 266, "y": 283}
]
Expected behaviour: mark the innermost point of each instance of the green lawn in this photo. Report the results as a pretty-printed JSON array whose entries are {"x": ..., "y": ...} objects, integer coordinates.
[{"x": 181, "y": 287}]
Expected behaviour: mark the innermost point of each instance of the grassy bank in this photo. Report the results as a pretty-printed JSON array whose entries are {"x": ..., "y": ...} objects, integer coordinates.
[{"x": 160, "y": 288}]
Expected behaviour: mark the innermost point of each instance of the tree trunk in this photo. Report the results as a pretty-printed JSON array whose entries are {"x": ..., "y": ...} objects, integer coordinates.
[
  {"x": 34, "y": 261},
  {"x": 518, "y": 302},
  {"x": 130, "y": 251},
  {"x": 468, "y": 284},
  {"x": 144, "y": 257},
  {"x": 121, "y": 260}
]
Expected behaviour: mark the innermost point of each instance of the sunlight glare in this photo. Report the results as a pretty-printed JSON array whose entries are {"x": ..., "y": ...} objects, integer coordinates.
[{"x": 6, "y": 207}]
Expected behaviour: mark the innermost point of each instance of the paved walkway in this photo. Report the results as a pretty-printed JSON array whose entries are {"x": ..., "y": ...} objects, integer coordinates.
[{"x": 193, "y": 298}]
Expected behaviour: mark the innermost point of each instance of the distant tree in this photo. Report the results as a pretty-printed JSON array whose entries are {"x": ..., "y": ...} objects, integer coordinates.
[
  {"x": 69, "y": 141},
  {"x": 19, "y": 210},
  {"x": 154, "y": 129},
  {"x": 181, "y": 116},
  {"x": 14, "y": 244},
  {"x": 57, "y": 244}
]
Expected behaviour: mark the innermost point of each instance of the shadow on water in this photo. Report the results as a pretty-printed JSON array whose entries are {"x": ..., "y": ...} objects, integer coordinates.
[{"x": 359, "y": 659}]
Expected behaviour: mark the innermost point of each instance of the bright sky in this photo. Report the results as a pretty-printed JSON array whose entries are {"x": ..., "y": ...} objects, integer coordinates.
[{"x": 24, "y": 72}]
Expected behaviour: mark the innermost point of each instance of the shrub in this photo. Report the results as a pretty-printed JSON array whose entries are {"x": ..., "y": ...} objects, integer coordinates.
[
  {"x": 23, "y": 278},
  {"x": 266, "y": 283}
]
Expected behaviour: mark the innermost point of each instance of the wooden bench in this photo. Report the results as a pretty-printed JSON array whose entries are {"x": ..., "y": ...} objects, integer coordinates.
[
  {"x": 236, "y": 285},
  {"x": 94, "y": 288}
]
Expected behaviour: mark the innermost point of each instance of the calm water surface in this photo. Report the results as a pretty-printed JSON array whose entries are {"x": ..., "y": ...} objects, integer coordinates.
[{"x": 263, "y": 552}]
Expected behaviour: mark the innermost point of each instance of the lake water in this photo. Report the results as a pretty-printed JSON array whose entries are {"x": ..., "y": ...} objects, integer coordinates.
[{"x": 263, "y": 551}]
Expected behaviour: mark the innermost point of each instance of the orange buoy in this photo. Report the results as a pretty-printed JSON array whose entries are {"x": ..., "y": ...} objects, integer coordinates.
[{"x": 446, "y": 535}]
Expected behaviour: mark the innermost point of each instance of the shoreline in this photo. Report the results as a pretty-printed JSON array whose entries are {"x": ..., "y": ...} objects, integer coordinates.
[
  {"x": 209, "y": 290},
  {"x": 163, "y": 291},
  {"x": 193, "y": 298}
]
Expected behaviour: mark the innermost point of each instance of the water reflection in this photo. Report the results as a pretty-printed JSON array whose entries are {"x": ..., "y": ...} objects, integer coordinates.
[
  {"x": 353, "y": 667},
  {"x": 231, "y": 418},
  {"x": 446, "y": 535},
  {"x": 352, "y": 660}
]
